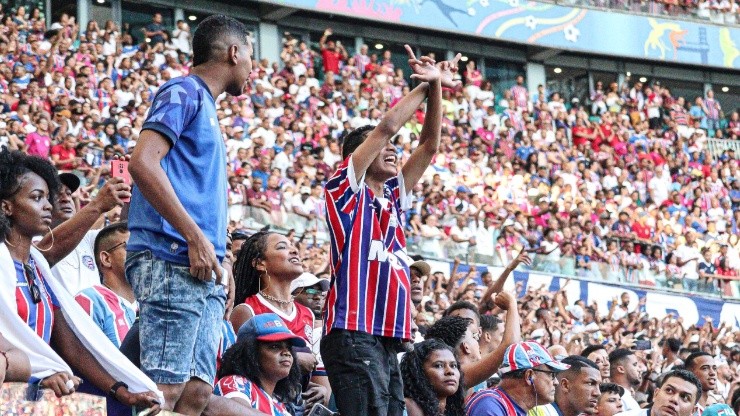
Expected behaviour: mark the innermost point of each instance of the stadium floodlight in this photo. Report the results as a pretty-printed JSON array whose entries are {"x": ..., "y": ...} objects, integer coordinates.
[
  {"x": 557, "y": 70},
  {"x": 101, "y": 1},
  {"x": 378, "y": 46},
  {"x": 192, "y": 17},
  {"x": 629, "y": 74},
  {"x": 464, "y": 58},
  {"x": 643, "y": 79},
  {"x": 725, "y": 89}
]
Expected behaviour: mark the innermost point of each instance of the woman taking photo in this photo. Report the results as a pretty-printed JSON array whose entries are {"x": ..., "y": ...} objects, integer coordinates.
[
  {"x": 432, "y": 380},
  {"x": 30, "y": 313},
  {"x": 261, "y": 371}
]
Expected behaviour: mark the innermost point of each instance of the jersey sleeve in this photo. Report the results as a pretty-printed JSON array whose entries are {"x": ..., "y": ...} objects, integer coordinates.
[
  {"x": 90, "y": 303},
  {"x": 342, "y": 188},
  {"x": 403, "y": 200},
  {"x": 174, "y": 107},
  {"x": 234, "y": 387}
]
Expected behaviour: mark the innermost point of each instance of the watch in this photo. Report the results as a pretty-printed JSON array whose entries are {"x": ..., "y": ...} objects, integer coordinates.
[{"x": 114, "y": 388}]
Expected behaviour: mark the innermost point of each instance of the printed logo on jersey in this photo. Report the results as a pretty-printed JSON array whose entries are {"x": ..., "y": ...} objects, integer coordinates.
[{"x": 88, "y": 261}]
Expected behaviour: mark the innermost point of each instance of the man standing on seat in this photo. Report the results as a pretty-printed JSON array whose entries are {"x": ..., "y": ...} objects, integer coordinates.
[
  {"x": 178, "y": 218},
  {"x": 368, "y": 308}
]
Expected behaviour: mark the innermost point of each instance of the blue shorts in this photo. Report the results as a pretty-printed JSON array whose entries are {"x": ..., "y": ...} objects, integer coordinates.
[{"x": 179, "y": 318}]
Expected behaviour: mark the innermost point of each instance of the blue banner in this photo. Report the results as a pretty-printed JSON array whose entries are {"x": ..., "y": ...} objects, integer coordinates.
[{"x": 549, "y": 25}]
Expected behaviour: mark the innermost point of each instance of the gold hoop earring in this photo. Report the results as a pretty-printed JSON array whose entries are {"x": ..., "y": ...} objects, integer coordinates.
[{"x": 44, "y": 250}]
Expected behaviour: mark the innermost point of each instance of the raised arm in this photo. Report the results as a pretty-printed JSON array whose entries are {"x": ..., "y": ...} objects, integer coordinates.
[
  {"x": 431, "y": 130},
  {"x": 476, "y": 373},
  {"x": 67, "y": 235},
  {"x": 498, "y": 285}
]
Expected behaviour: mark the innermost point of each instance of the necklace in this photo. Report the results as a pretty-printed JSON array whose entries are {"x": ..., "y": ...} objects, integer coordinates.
[{"x": 274, "y": 299}]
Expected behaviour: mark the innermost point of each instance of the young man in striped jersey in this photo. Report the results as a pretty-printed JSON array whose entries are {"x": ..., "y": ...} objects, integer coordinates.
[{"x": 368, "y": 307}]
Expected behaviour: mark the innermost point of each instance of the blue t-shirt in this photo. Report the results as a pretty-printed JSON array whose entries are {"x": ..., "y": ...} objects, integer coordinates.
[
  {"x": 492, "y": 402},
  {"x": 184, "y": 112}
]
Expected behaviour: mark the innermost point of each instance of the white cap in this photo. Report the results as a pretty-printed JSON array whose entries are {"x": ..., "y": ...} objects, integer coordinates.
[
  {"x": 124, "y": 122},
  {"x": 306, "y": 280},
  {"x": 3, "y": 125}
]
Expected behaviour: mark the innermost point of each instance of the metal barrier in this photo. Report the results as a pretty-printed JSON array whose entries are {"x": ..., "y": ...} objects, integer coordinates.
[{"x": 718, "y": 146}]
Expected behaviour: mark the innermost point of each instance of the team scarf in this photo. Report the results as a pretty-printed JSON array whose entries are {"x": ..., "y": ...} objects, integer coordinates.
[{"x": 44, "y": 360}]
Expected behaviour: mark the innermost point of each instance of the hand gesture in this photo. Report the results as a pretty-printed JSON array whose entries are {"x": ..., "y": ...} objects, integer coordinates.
[
  {"x": 61, "y": 383},
  {"x": 316, "y": 393},
  {"x": 112, "y": 194},
  {"x": 504, "y": 300},
  {"x": 328, "y": 31},
  {"x": 449, "y": 69},
  {"x": 146, "y": 400},
  {"x": 521, "y": 258},
  {"x": 203, "y": 260},
  {"x": 424, "y": 68}
]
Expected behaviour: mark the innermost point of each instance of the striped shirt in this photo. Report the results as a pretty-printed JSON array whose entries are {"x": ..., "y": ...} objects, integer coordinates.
[
  {"x": 492, "y": 402},
  {"x": 238, "y": 387},
  {"x": 521, "y": 96},
  {"x": 228, "y": 338},
  {"x": 38, "y": 316},
  {"x": 370, "y": 284},
  {"x": 300, "y": 321},
  {"x": 113, "y": 314}
]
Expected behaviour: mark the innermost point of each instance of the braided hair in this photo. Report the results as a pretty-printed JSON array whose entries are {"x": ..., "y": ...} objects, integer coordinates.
[
  {"x": 246, "y": 275},
  {"x": 13, "y": 165},
  {"x": 416, "y": 386},
  {"x": 242, "y": 359}
]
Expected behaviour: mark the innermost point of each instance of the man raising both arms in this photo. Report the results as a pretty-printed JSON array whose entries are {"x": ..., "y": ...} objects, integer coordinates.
[
  {"x": 368, "y": 308},
  {"x": 178, "y": 218}
]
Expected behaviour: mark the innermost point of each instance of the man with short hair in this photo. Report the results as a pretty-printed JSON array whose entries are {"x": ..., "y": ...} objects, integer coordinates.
[
  {"x": 703, "y": 366},
  {"x": 111, "y": 305},
  {"x": 597, "y": 353},
  {"x": 365, "y": 203},
  {"x": 676, "y": 395},
  {"x": 420, "y": 271},
  {"x": 491, "y": 333},
  {"x": 72, "y": 232},
  {"x": 577, "y": 390},
  {"x": 610, "y": 401},
  {"x": 625, "y": 371},
  {"x": 528, "y": 379},
  {"x": 178, "y": 217},
  {"x": 671, "y": 346}
]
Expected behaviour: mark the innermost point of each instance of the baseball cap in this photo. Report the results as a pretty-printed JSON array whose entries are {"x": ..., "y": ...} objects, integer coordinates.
[
  {"x": 270, "y": 328},
  {"x": 526, "y": 355},
  {"x": 719, "y": 409},
  {"x": 423, "y": 267},
  {"x": 70, "y": 180},
  {"x": 305, "y": 190},
  {"x": 308, "y": 279}
]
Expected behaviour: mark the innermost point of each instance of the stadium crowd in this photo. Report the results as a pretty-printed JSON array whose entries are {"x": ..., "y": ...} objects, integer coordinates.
[{"x": 622, "y": 188}]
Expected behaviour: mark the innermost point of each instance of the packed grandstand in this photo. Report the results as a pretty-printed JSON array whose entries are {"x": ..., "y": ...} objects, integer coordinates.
[{"x": 632, "y": 187}]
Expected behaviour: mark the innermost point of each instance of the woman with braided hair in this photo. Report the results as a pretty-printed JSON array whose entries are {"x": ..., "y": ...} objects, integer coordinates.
[
  {"x": 267, "y": 265},
  {"x": 432, "y": 380}
]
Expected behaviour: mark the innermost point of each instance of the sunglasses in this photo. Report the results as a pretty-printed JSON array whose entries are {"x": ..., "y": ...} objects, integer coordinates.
[{"x": 31, "y": 279}]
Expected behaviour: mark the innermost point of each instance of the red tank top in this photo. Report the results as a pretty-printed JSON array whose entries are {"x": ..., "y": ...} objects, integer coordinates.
[{"x": 300, "y": 322}]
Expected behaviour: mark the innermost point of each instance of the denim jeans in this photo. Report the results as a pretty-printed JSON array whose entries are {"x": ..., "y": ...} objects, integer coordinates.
[{"x": 179, "y": 319}]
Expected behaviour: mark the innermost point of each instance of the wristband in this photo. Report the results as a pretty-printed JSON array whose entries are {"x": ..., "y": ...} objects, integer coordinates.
[{"x": 114, "y": 388}]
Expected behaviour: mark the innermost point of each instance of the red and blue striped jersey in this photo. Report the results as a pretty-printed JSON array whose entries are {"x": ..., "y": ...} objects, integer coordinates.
[
  {"x": 300, "y": 322},
  {"x": 228, "y": 338},
  {"x": 38, "y": 316},
  {"x": 113, "y": 314},
  {"x": 370, "y": 284},
  {"x": 238, "y": 387}
]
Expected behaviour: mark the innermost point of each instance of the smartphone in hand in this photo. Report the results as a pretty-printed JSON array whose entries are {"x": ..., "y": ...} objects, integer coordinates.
[{"x": 119, "y": 169}]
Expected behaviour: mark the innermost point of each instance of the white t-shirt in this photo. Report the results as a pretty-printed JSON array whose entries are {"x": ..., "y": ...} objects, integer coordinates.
[
  {"x": 78, "y": 270},
  {"x": 629, "y": 404},
  {"x": 689, "y": 269}
]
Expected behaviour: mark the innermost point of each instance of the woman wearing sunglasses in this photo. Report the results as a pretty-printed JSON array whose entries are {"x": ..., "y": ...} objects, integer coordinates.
[{"x": 28, "y": 187}]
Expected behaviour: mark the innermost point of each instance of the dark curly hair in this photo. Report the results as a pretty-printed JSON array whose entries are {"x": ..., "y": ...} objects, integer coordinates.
[
  {"x": 242, "y": 359},
  {"x": 13, "y": 165},
  {"x": 416, "y": 386},
  {"x": 449, "y": 329},
  {"x": 246, "y": 275}
]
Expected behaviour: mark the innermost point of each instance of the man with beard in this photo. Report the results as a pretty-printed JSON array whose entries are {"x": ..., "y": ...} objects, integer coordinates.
[
  {"x": 577, "y": 389},
  {"x": 625, "y": 371},
  {"x": 528, "y": 379},
  {"x": 72, "y": 232},
  {"x": 703, "y": 366},
  {"x": 676, "y": 395}
]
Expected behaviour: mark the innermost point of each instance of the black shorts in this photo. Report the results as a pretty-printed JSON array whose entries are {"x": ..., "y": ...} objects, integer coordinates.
[{"x": 363, "y": 373}]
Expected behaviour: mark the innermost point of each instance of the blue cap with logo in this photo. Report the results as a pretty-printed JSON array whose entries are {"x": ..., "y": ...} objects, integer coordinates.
[{"x": 268, "y": 327}]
